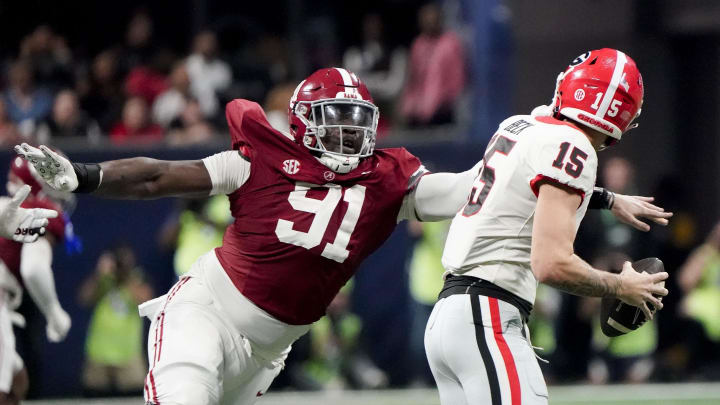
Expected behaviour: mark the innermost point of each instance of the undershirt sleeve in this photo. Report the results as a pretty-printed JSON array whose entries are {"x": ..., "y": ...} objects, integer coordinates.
[{"x": 228, "y": 171}]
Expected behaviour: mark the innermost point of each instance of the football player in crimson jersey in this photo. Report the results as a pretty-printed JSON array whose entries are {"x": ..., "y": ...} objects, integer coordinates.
[
  {"x": 309, "y": 206},
  {"x": 28, "y": 267},
  {"x": 517, "y": 229}
]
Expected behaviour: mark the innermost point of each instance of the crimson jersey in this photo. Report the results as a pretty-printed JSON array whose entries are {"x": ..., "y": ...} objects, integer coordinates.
[
  {"x": 10, "y": 250},
  {"x": 301, "y": 230}
]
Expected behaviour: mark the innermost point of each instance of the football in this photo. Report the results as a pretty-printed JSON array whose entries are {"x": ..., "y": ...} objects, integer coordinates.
[{"x": 618, "y": 318}]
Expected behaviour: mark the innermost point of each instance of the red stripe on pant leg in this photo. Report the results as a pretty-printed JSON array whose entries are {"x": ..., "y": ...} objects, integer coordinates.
[
  {"x": 152, "y": 382},
  {"x": 507, "y": 356},
  {"x": 159, "y": 339},
  {"x": 162, "y": 315},
  {"x": 149, "y": 381},
  {"x": 147, "y": 391}
]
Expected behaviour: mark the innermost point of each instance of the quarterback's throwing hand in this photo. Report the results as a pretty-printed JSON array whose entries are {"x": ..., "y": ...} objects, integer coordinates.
[
  {"x": 56, "y": 170},
  {"x": 630, "y": 208},
  {"x": 21, "y": 224}
]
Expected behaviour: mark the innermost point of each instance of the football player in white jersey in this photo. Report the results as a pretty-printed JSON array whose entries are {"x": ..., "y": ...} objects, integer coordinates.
[{"x": 518, "y": 229}]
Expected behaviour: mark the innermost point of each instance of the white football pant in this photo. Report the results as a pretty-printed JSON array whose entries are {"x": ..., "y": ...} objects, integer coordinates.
[
  {"x": 199, "y": 353},
  {"x": 478, "y": 354}
]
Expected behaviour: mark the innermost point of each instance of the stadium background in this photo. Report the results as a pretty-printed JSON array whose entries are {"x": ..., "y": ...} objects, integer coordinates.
[{"x": 513, "y": 52}]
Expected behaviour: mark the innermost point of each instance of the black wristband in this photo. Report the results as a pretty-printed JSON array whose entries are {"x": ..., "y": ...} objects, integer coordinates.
[
  {"x": 601, "y": 199},
  {"x": 88, "y": 175}
]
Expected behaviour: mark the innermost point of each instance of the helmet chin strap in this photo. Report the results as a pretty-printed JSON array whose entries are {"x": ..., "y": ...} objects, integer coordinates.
[{"x": 339, "y": 164}]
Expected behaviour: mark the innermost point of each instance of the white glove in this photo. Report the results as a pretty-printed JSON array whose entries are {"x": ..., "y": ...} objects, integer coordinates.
[
  {"x": 58, "y": 325},
  {"x": 22, "y": 224},
  {"x": 53, "y": 168}
]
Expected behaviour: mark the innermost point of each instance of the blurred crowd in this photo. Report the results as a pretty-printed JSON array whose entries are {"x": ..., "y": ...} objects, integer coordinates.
[{"x": 139, "y": 91}]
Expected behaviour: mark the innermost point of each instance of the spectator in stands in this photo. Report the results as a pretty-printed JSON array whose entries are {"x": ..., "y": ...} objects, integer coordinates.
[
  {"x": 209, "y": 75},
  {"x": 337, "y": 359},
  {"x": 426, "y": 281},
  {"x": 199, "y": 228},
  {"x": 171, "y": 103},
  {"x": 114, "y": 362},
  {"x": 699, "y": 279},
  {"x": 67, "y": 120},
  {"x": 190, "y": 127},
  {"x": 149, "y": 80},
  {"x": 49, "y": 56},
  {"x": 136, "y": 125},
  {"x": 382, "y": 69},
  {"x": 26, "y": 104},
  {"x": 276, "y": 104},
  {"x": 436, "y": 75},
  {"x": 139, "y": 47},
  {"x": 101, "y": 93},
  {"x": 9, "y": 133}
]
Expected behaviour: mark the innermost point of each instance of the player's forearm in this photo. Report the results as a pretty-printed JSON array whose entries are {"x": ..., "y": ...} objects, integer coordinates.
[
  {"x": 145, "y": 178},
  {"x": 575, "y": 276},
  {"x": 36, "y": 272},
  {"x": 441, "y": 195}
]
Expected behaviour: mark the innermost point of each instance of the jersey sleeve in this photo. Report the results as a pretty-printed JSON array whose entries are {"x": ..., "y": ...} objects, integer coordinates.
[
  {"x": 237, "y": 113},
  {"x": 412, "y": 170},
  {"x": 228, "y": 171},
  {"x": 564, "y": 157}
]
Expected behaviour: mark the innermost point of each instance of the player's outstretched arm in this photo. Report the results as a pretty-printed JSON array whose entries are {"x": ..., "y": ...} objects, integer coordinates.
[
  {"x": 134, "y": 178},
  {"x": 554, "y": 262},
  {"x": 440, "y": 196}
]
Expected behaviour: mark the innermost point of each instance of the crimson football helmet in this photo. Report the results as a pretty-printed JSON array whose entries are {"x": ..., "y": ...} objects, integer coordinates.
[
  {"x": 332, "y": 114},
  {"x": 601, "y": 89}
]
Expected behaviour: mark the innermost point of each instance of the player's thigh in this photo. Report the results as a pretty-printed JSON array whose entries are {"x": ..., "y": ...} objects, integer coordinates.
[
  {"x": 186, "y": 350},
  {"x": 532, "y": 382},
  {"x": 449, "y": 336}
]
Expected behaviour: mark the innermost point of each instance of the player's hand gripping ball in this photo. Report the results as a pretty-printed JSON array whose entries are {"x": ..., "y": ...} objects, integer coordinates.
[{"x": 617, "y": 317}]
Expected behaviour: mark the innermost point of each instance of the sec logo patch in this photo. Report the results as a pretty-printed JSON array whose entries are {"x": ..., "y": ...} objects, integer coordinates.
[
  {"x": 579, "y": 94},
  {"x": 329, "y": 176},
  {"x": 291, "y": 166}
]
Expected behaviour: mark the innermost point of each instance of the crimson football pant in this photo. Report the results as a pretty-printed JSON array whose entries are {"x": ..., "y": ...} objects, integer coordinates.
[{"x": 479, "y": 355}]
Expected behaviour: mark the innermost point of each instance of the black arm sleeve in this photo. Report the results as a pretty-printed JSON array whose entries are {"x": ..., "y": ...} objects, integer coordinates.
[
  {"x": 88, "y": 175},
  {"x": 601, "y": 199}
]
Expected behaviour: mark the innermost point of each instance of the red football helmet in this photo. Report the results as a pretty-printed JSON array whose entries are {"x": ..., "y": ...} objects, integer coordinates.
[
  {"x": 332, "y": 113},
  {"x": 601, "y": 89}
]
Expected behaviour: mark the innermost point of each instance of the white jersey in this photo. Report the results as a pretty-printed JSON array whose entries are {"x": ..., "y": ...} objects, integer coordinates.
[{"x": 490, "y": 237}]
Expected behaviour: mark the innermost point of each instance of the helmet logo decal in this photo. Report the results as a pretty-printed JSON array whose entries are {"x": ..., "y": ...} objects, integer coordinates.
[
  {"x": 580, "y": 59},
  {"x": 329, "y": 176},
  {"x": 291, "y": 166},
  {"x": 579, "y": 94},
  {"x": 593, "y": 121}
]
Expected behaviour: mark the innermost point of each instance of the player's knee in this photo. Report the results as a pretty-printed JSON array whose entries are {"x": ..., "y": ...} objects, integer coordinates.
[{"x": 185, "y": 383}]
